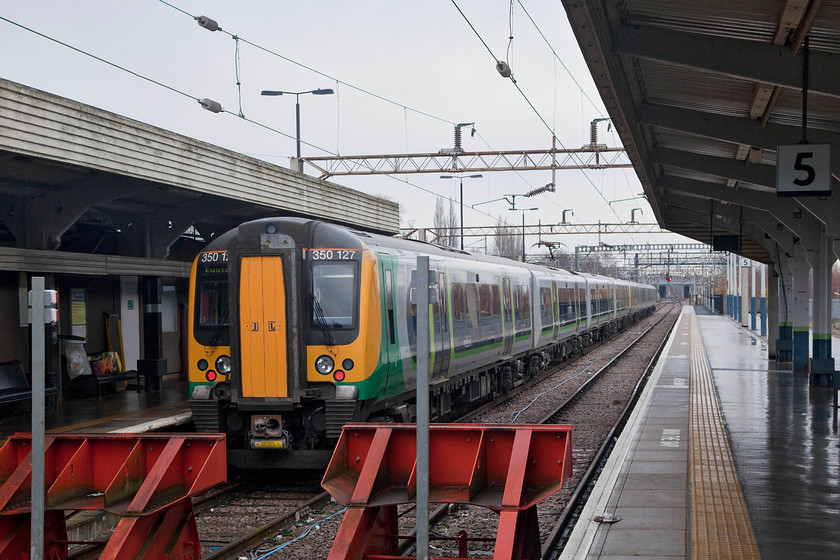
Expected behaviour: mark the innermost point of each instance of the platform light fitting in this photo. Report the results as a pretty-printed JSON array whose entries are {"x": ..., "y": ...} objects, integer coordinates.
[{"x": 754, "y": 155}]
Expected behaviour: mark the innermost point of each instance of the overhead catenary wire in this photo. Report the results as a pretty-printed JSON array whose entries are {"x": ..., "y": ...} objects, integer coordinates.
[
  {"x": 533, "y": 108},
  {"x": 382, "y": 98},
  {"x": 566, "y": 68},
  {"x": 313, "y": 70},
  {"x": 207, "y": 103},
  {"x": 357, "y": 88},
  {"x": 240, "y": 114},
  {"x": 560, "y": 60},
  {"x": 100, "y": 59}
]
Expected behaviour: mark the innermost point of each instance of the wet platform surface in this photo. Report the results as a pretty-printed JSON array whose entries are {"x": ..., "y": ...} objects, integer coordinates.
[
  {"x": 124, "y": 410},
  {"x": 728, "y": 455},
  {"x": 785, "y": 442}
]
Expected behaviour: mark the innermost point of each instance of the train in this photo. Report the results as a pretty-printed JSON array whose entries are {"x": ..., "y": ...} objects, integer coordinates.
[{"x": 299, "y": 326}]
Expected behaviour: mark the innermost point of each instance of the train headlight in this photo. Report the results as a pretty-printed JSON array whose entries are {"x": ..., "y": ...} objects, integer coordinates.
[
  {"x": 223, "y": 365},
  {"x": 324, "y": 364}
]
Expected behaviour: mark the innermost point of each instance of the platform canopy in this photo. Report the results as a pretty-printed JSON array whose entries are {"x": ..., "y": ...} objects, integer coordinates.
[
  {"x": 77, "y": 179},
  {"x": 702, "y": 93}
]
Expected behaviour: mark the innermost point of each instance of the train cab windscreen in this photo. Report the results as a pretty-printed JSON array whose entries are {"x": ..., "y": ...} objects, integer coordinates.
[
  {"x": 211, "y": 310},
  {"x": 334, "y": 289}
]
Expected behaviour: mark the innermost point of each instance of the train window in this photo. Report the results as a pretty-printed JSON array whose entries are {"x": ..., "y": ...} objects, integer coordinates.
[
  {"x": 389, "y": 294},
  {"x": 517, "y": 302},
  {"x": 472, "y": 304},
  {"x": 567, "y": 304},
  {"x": 457, "y": 302},
  {"x": 545, "y": 306},
  {"x": 389, "y": 299},
  {"x": 211, "y": 312},
  {"x": 212, "y": 304},
  {"x": 497, "y": 301},
  {"x": 439, "y": 308},
  {"x": 334, "y": 290},
  {"x": 485, "y": 298},
  {"x": 526, "y": 304}
]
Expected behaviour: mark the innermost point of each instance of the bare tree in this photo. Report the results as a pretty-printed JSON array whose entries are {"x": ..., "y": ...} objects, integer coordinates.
[
  {"x": 452, "y": 223},
  {"x": 446, "y": 224},
  {"x": 505, "y": 241}
]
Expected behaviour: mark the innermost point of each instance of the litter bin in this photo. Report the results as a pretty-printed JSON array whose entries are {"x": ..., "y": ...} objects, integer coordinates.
[
  {"x": 75, "y": 364},
  {"x": 153, "y": 371},
  {"x": 74, "y": 356}
]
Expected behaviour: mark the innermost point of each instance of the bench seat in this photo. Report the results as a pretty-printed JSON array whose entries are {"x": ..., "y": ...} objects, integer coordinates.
[
  {"x": 114, "y": 378},
  {"x": 14, "y": 386}
]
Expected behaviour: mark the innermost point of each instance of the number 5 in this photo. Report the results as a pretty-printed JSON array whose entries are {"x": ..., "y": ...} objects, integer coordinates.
[{"x": 809, "y": 171}]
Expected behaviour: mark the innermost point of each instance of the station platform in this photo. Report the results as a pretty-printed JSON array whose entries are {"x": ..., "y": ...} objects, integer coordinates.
[
  {"x": 728, "y": 455},
  {"x": 125, "y": 411}
]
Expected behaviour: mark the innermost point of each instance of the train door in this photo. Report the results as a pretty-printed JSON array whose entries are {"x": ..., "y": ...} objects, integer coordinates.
[
  {"x": 441, "y": 344},
  {"x": 586, "y": 302},
  {"x": 387, "y": 295},
  {"x": 508, "y": 332},
  {"x": 262, "y": 328},
  {"x": 555, "y": 309}
]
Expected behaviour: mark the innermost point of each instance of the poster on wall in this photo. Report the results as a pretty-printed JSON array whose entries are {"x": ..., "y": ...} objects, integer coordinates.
[{"x": 78, "y": 312}]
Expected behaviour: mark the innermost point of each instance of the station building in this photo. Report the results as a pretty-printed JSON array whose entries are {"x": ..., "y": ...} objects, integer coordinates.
[{"x": 112, "y": 211}]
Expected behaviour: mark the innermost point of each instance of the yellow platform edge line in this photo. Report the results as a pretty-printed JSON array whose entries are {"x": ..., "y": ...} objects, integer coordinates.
[{"x": 720, "y": 524}]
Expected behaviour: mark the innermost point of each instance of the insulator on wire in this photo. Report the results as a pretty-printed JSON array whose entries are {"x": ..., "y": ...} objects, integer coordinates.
[
  {"x": 210, "y": 105},
  {"x": 503, "y": 68},
  {"x": 539, "y": 190},
  {"x": 458, "y": 138},
  {"x": 207, "y": 23}
]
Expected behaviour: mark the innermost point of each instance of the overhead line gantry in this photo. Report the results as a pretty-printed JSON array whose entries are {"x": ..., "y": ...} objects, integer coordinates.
[
  {"x": 456, "y": 160},
  {"x": 588, "y": 157}
]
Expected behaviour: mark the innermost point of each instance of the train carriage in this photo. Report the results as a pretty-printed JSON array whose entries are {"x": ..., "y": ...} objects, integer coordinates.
[{"x": 300, "y": 326}]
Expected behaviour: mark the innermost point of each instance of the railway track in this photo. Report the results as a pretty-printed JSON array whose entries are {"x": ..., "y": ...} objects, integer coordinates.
[{"x": 279, "y": 522}]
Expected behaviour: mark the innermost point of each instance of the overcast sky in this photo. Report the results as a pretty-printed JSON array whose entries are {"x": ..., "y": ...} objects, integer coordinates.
[{"x": 421, "y": 56}]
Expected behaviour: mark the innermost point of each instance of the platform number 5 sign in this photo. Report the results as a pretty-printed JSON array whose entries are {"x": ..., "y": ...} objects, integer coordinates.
[{"x": 803, "y": 170}]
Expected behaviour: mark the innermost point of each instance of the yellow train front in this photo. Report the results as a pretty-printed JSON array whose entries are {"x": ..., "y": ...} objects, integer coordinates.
[{"x": 285, "y": 332}]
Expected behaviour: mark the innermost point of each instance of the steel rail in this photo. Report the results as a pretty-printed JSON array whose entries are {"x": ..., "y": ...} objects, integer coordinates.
[{"x": 257, "y": 537}]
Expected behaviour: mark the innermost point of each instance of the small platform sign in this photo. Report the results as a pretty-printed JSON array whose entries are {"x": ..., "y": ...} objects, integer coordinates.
[{"x": 803, "y": 170}]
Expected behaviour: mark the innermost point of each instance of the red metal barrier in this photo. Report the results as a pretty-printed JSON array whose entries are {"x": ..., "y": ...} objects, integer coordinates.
[
  {"x": 509, "y": 468},
  {"x": 146, "y": 479}
]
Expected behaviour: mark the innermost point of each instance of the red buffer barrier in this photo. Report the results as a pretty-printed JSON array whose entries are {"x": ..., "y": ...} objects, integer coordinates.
[
  {"x": 147, "y": 479},
  {"x": 509, "y": 468}
]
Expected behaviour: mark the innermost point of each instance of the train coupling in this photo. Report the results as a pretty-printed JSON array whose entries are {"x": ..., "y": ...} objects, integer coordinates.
[{"x": 267, "y": 432}]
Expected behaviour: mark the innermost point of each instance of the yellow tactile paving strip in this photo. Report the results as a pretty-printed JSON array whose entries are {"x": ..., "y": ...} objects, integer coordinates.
[{"x": 720, "y": 525}]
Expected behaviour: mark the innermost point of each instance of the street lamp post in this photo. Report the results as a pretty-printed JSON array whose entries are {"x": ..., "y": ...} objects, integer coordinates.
[
  {"x": 297, "y": 95},
  {"x": 523, "y": 227},
  {"x": 461, "y": 178}
]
